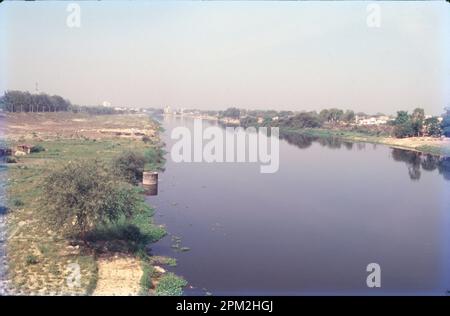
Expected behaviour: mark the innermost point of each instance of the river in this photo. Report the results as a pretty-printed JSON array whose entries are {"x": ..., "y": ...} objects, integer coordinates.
[{"x": 312, "y": 227}]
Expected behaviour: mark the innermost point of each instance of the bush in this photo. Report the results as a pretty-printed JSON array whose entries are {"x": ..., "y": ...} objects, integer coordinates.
[
  {"x": 37, "y": 148},
  {"x": 10, "y": 159},
  {"x": 146, "y": 279},
  {"x": 31, "y": 259},
  {"x": 404, "y": 130},
  {"x": 154, "y": 158},
  {"x": 82, "y": 195},
  {"x": 146, "y": 139},
  {"x": 129, "y": 166},
  {"x": 17, "y": 202},
  {"x": 303, "y": 120},
  {"x": 170, "y": 285}
]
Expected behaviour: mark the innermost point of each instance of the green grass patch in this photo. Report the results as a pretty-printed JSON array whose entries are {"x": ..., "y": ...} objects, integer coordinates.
[{"x": 170, "y": 285}]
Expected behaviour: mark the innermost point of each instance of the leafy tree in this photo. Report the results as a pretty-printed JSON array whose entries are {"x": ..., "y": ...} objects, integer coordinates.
[
  {"x": 325, "y": 115},
  {"x": 284, "y": 114},
  {"x": 402, "y": 118},
  {"x": 445, "y": 125},
  {"x": 232, "y": 113},
  {"x": 82, "y": 195},
  {"x": 249, "y": 121},
  {"x": 304, "y": 120},
  {"x": 417, "y": 119},
  {"x": 403, "y": 125},
  {"x": 348, "y": 116},
  {"x": 433, "y": 126},
  {"x": 333, "y": 115}
]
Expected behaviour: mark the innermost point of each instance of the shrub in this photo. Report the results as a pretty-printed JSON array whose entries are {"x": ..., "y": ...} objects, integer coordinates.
[
  {"x": 31, "y": 259},
  {"x": 17, "y": 202},
  {"x": 146, "y": 139},
  {"x": 82, "y": 195},
  {"x": 10, "y": 159},
  {"x": 37, "y": 148},
  {"x": 146, "y": 279},
  {"x": 129, "y": 166},
  {"x": 170, "y": 285},
  {"x": 154, "y": 158}
]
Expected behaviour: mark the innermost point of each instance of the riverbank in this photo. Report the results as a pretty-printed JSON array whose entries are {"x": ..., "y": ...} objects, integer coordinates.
[
  {"x": 3, "y": 262},
  {"x": 430, "y": 145},
  {"x": 42, "y": 261}
]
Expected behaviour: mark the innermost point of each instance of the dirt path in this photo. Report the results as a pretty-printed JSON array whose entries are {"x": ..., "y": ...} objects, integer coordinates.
[{"x": 118, "y": 276}]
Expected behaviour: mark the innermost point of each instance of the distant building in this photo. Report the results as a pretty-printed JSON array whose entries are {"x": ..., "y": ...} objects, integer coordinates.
[
  {"x": 373, "y": 120},
  {"x": 167, "y": 110}
]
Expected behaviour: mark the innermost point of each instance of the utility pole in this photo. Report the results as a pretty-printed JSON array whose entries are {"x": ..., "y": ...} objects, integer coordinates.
[{"x": 36, "y": 91}]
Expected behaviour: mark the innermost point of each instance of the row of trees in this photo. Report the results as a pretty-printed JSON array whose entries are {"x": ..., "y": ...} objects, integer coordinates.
[
  {"x": 313, "y": 119},
  {"x": 19, "y": 101},
  {"x": 335, "y": 115},
  {"x": 404, "y": 125},
  {"x": 23, "y": 101},
  {"x": 445, "y": 125},
  {"x": 415, "y": 124}
]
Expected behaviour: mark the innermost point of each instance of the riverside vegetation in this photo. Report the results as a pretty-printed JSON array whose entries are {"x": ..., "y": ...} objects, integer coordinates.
[
  {"x": 406, "y": 130},
  {"x": 75, "y": 199}
]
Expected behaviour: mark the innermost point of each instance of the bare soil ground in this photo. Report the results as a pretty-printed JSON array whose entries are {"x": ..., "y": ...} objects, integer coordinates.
[
  {"x": 118, "y": 276},
  {"x": 44, "y": 126}
]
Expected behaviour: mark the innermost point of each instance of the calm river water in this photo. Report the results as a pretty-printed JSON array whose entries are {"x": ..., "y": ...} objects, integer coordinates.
[{"x": 313, "y": 226}]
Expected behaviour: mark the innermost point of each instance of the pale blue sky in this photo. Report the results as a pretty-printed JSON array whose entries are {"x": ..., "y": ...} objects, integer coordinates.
[{"x": 281, "y": 55}]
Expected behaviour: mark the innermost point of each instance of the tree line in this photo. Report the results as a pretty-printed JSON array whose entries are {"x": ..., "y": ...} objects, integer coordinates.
[
  {"x": 403, "y": 125},
  {"x": 24, "y": 101},
  {"x": 415, "y": 124}
]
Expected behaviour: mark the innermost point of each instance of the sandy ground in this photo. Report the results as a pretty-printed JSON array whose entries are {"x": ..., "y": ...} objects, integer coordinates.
[
  {"x": 413, "y": 142},
  {"x": 118, "y": 276},
  {"x": 35, "y": 126}
]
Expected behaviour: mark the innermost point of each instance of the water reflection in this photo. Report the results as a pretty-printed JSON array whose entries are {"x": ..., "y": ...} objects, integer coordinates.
[
  {"x": 310, "y": 228},
  {"x": 415, "y": 161}
]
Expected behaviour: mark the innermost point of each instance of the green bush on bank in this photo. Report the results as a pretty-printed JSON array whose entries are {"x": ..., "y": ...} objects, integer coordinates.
[{"x": 170, "y": 285}]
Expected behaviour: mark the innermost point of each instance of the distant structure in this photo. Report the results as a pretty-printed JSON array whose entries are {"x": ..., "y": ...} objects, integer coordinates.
[
  {"x": 373, "y": 120},
  {"x": 150, "y": 182},
  {"x": 167, "y": 110},
  {"x": 106, "y": 104}
]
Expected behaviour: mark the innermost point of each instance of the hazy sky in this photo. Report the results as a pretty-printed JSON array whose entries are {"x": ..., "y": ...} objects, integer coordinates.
[{"x": 281, "y": 55}]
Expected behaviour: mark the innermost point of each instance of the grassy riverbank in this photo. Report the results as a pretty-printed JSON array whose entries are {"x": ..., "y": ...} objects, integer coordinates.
[
  {"x": 431, "y": 145},
  {"x": 40, "y": 259}
]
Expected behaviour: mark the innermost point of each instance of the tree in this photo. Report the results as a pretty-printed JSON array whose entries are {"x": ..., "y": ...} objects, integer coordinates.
[
  {"x": 403, "y": 126},
  {"x": 333, "y": 115},
  {"x": 129, "y": 166},
  {"x": 20, "y": 101},
  {"x": 402, "y": 117},
  {"x": 433, "y": 127},
  {"x": 232, "y": 113},
  {"x": 82, "y": 195},
  {"x": 445, "y": 125},
  {"x": 304, "y": 120},
  {"x": 336, "y": 115},
  {"x": 417, "y": 118},
  {"x": 348, "y": 116}
]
